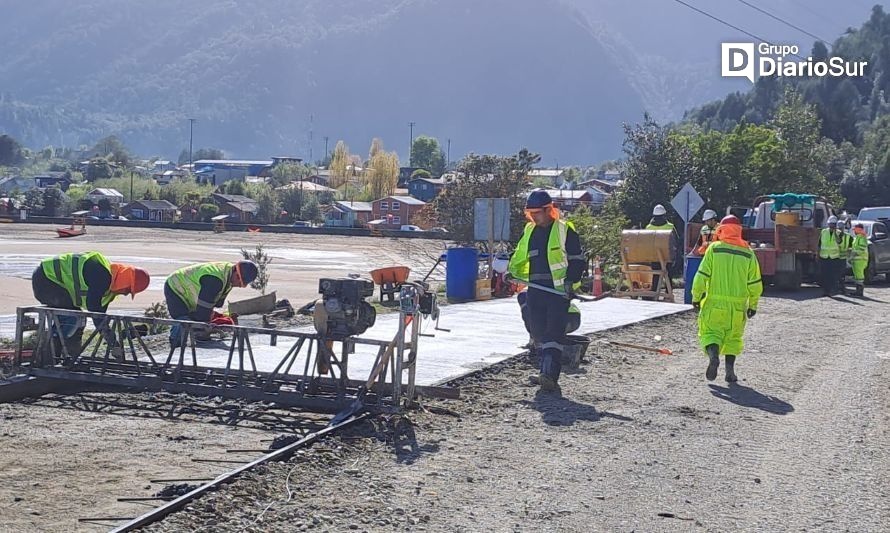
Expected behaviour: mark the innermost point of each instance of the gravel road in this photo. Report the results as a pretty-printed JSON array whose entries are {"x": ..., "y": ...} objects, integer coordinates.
[{"x": 638, "y": 442}]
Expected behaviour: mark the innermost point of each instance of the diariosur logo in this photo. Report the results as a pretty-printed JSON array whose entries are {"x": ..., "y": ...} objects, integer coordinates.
[{"x": 739, "y": 60}]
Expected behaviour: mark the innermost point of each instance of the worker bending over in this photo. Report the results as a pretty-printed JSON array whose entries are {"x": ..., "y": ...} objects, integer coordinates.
[
  {"x": 85, "y": 281},
  {"x": 194, "y": 291}
]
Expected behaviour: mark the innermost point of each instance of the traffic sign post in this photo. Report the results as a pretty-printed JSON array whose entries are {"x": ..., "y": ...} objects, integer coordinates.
[{"x": 687, "y": 202}]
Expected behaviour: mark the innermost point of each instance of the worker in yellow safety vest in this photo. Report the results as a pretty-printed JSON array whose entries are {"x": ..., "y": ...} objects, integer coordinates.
[
  {"x": 726, "y": 290},
  {"x": 194, "y": 291},
  {"x": 708, "y": 233},
  {"x": 660, "y": 222},
  {"x": 830, "y": 262},
  {"x": 548, "y": 255},
  {"x": 87, "y": 281},
  {"x": 845, "y": 247},
  {"x": 859, "y": 258}
]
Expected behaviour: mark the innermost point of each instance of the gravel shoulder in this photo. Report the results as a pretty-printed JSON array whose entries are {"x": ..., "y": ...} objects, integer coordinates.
[{"x": 637, "y": 442}]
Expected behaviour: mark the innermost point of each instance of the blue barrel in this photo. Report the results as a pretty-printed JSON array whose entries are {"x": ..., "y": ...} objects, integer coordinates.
[
  {"x": 461, "y": 271},
  {"x": 692, "y": 263}
]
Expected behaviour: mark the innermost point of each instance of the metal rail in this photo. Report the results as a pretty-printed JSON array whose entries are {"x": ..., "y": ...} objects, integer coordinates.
[{"x": 279, "y": 454}]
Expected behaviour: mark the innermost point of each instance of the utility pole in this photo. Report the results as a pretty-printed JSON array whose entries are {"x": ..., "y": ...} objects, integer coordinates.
[
  {"x": 191, "y": 135},
  {"x": 411, "y": 145},
  {"x": 326, "y": 147},
  {"x": 300, "y": 210},
  {"x": 131, "y": 185},
  {"x": 311, "y": 120},
  {"x": 448, "y": 157}
]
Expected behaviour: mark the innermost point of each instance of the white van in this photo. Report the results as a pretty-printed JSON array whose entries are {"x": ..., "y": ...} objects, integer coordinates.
[
  {"x": 409, "y": 227},
  {"x": 873, "y": 213}
]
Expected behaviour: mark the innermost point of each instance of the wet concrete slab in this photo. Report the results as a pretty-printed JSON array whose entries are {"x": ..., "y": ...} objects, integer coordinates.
[{"x": 481, "y": 334}]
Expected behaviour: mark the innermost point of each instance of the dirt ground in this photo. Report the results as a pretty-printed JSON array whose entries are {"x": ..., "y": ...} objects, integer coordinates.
[
  {"x": 298, "y": 260},
  {"x": 637, "y": 442}
]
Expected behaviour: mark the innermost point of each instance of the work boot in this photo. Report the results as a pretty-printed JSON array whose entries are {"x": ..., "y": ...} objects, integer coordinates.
[
  {"x": 730, "y": 369},
  {"x": 547, "y": 383},
  {"x": 860, "y": 290},
  {"x": 713, "y": 361}
]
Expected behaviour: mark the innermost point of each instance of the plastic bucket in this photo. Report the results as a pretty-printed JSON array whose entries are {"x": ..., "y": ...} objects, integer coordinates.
[
  {"x": 692, "y": 263},
  {"x": 574, "y": 348},
  {"x": 461, "y": 271}
]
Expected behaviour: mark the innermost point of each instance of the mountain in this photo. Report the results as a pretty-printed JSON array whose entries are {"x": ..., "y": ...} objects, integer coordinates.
[{"x": 557, "y": 76}]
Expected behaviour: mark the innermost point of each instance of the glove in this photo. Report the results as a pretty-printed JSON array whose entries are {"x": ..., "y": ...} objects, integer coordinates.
[
  {"x": 696, "y": 305},
  {"x": 751, "y": 313},
  {"x": 570, "y": 294}
]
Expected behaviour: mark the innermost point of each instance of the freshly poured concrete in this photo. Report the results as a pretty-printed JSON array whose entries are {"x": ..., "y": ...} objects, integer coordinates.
[{"x": 482, "y": 333}]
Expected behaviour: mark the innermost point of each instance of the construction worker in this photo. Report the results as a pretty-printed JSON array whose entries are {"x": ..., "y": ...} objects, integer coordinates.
[
  {"x": 726, "y": 290},
  {"x": 86, "y": 281},
  {"x": 859, "y": 258},
  {"x": 660, "y": 222},
  {"x": 194, "y": 291},
  {"x": 845, "y": 248},
  {"x": 548, "y": 255},
  {"x": 829, "y": 257},
  {"x": 708, "y": 233}
]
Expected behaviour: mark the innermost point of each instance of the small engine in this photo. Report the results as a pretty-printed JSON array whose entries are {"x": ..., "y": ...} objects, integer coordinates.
[{"x": 344, "y": 312}]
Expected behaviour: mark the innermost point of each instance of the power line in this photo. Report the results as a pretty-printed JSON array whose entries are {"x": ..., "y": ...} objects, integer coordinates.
[
  {"x": 783, "y": 21},
  {"x": 721, "y": 21}
]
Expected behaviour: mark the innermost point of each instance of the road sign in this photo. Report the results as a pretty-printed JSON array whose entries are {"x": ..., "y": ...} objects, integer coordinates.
[
  {"x": 687, "y": 202},
  {"x": 491, "y": 220}
]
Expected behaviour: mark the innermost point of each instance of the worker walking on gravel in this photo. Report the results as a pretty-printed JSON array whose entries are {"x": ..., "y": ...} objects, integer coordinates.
[
  {"x": 830, "y": 261},
  {"x": 726, "y": 290},
  {"x": 859, "y": 258},
  {"x": 708, "y": 233},
  {"x": 549, "y": 255},
  {"x": 194, "y": 291},
  {"x": 86, "y": 281}
]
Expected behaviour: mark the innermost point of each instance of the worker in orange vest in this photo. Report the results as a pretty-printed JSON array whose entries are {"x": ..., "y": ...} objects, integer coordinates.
[{"x": 708, "y": 233}]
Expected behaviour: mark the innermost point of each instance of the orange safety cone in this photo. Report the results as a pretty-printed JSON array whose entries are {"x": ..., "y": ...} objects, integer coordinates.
[{"x": 597, "y": 278}]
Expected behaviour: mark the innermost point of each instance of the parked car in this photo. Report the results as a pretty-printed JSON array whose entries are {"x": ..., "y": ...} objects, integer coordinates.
[
  {"x": 438, "y": 230},
  {"x": 302, "y": 224},
  {"x": 410, "y": 227},
  {"x": 878, "y": 249},
  {"x": 873, "y": 213}
]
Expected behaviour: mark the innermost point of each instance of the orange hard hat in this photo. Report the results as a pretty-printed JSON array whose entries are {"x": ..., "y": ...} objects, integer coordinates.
[{"x": 141, "y": 280}]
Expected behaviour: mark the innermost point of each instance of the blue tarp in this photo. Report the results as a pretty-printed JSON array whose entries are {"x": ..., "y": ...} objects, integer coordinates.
[{"x": 789, "y": 200}]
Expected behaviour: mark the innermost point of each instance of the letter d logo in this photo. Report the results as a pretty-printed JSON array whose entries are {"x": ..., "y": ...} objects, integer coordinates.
[{"x": 737, "y": 60}]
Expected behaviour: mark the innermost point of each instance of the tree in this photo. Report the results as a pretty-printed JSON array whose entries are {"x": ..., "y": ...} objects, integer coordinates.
[
  {"x": 261, "y": 259},
  {"x": 208, "y": 211},
  {"x": 54, "y": 201},
  {"x": 383, "y": 175},
  {"x": 311, "y": 209},
  {"x": 10, "y": 151},
  {"x": 339, "y": 165},
  {"x": 201, "y": 153},
  {"x": 427, "y": 154},
  {"x": 376, "y": 147},
  {"x": 113, "y": 149},
  {"x": 34, "y": 200},
  {"x": 601, "y": 234},
  {"x": 484, "y": 176},
  {"x": 268, "y": 206},
  {"x": 98, "y": 168},
  {"x": 287, "y": 172},
  {"x": 233, "y": 187}
]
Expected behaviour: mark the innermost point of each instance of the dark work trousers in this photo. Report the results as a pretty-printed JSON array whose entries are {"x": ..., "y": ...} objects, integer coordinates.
[
  {"x": 178, "y": 311},
  {"x": 829, "y": 273},
  {"x": 548, "y": 314},
  {"x": 51, "y": 294}
]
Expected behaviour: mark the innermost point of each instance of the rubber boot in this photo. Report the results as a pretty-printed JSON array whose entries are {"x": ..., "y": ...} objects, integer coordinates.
[
  {"x": 713, "y": 361},
  {"x": 860, "y": 290},
  {"x": 730, "y": 369}
]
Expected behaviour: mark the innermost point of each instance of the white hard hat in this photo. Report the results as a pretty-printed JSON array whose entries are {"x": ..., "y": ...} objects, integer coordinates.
[
  {"x": 659, "y": 210},
  {"x": 709, "y": 214},
  {"x": 832, "y": 219}
]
